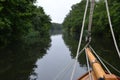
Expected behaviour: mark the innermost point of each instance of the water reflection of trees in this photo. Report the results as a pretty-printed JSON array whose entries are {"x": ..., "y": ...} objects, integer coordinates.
[
  {"x": 72, "y": 43},
  {"x": 106, "y": 49},
  {"x": 17, "y": 61},
  {"x": 103, "y": 46},
  {"x": 56, "y": 29}
]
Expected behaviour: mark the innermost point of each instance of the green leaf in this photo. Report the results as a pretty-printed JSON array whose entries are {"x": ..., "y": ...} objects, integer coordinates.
[{"x": 1, "y": 8}]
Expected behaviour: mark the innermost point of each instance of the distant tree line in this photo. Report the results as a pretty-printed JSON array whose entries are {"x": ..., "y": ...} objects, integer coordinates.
[
  {"x": 100, "y": 26},
  {"x": 56, "y": 28},
  {"x": 21, "y": 20}
]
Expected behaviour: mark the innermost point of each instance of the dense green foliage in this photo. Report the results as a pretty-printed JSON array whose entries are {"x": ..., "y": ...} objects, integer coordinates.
[
  {"x": 24, "y": 38},
  {"x": 21, "y": 20},
  {"x": 100, "y": 20},
  {"x": 100, "y": 25},
  {"x": 73, "y": 21},
  {"x": 56, "y": 28},
  {"x": 101, "y": 41}
]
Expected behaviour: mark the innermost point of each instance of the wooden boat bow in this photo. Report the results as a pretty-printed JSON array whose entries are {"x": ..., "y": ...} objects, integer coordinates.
[{"x": 97, "y": 72}]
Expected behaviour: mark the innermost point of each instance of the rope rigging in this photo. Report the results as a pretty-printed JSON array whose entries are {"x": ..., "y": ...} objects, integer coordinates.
[
  {"x": 69, "y": 65},
  {"x": 101, "y": 59},
  {"x": 89, "y": 30},
  {"x": 79, "y": 45},
  {"x": 112, "y": 32},
  {"x": 89, "y": 40},
  {"x": 89, "y": 34}
]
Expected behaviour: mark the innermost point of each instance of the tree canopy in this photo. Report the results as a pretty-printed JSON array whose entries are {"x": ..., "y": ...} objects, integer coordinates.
[
  {"x": 100, "y": 26},
  {"x": 21, "y": 20},
  {"x": 56, "y": 28}
]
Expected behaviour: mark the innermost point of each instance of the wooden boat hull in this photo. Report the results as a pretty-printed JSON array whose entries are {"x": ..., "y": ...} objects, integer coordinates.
[
  {"x": 86, "y": 76},
  {"x": 97, "y": 72}
]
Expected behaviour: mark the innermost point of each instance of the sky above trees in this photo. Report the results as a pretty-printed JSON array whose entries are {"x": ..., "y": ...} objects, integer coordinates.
[{"x": 57, "y": 9}]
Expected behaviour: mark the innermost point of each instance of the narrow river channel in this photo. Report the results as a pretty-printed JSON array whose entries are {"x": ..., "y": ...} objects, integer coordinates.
[
  {"x": 57, "y": 58},
  {"x": 21, "y": 62}
]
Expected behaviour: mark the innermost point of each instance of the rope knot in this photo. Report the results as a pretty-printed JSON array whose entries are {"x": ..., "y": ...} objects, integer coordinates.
[{"x": 88, "y": 37}]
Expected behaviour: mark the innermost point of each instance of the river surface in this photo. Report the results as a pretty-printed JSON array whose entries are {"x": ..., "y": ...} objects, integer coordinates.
[
  {"x": 57, "y": 58},
  {"x": 45, "y": 62}
]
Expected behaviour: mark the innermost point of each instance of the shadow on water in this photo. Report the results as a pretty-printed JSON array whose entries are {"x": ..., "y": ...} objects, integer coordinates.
[
  {"x": 17, "y": 61},
  {"x": 103, "y": 46}
]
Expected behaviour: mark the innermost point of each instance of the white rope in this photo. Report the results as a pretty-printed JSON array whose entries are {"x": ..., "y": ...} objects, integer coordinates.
[
  {"x": 80, "y": 40},
  {"x": 62, "y": 71},
  {"x": 89, "y": 33},
  {"x": 100, "y": 60},
  {"x": 110, "y": 65},
  {"x": 70, "y": 64},
  {"x": 66, "y": 73},
  {"x": 115, "y": 43},
  {"x": 83, "y": 48}
]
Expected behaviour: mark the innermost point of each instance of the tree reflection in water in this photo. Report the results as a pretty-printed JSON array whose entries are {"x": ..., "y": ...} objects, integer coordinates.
[
  {"x": 17, "y": 61},
  {"x": 103, "y": 46}
]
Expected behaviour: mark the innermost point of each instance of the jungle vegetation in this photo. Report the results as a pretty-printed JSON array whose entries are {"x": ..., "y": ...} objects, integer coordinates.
[
  {"x": 21, "y": 20},
  {"x": 56, "y": 28},
  {"x": 101, "y": 35},
  {"x": 100, "y": 26}
]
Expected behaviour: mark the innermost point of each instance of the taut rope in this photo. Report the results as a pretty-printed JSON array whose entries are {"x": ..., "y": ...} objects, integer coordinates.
[
  {"x": 79, "y": 45},
  {"x": 112, "y": 32}
]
